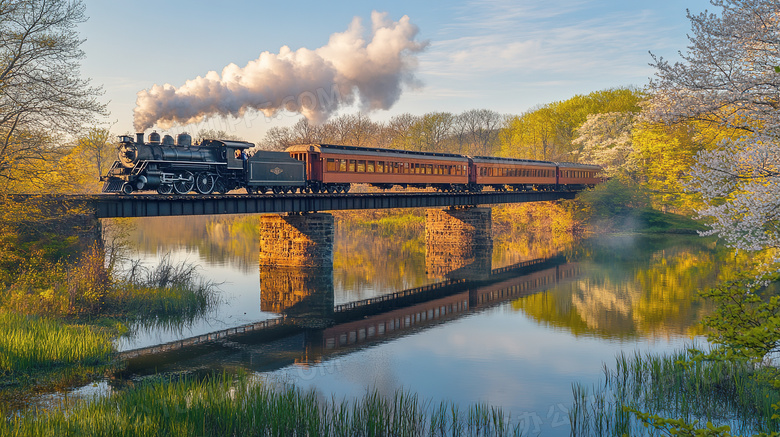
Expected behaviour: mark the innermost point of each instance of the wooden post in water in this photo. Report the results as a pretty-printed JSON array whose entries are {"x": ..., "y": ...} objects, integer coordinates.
[{"x": 459, "y": 242}]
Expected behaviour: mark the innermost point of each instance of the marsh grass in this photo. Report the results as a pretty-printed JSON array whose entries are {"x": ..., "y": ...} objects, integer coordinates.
[
  {"x": 737, "y": 394},
  {"x": 165, "y": 291},
  {"x": 87, "y": 290},
  {"x": 223, "y": 405},
  {"x": 29, "y": 342}
]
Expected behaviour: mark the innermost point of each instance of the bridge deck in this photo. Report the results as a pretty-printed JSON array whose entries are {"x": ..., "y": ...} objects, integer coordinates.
[{"x": 110, "y": 206}]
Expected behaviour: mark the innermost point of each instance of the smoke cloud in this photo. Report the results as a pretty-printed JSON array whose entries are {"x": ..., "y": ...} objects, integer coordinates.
[{"x": 314, "y": 83}]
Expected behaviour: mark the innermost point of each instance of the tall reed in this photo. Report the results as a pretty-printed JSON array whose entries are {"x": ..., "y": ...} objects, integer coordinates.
[
  {"x": 223, "y": 405},
  {"x": 729, "y": 393}
]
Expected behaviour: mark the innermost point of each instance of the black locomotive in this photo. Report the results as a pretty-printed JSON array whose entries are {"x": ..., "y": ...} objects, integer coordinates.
[{"x": 211, "y": 166}]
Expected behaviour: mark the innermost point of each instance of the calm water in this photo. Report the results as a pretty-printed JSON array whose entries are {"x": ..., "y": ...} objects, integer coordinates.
[{"x": 520, "y": 350}]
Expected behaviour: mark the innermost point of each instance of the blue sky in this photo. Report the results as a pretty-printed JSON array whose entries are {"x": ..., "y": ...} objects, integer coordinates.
[{"x": 508, "y": 56}]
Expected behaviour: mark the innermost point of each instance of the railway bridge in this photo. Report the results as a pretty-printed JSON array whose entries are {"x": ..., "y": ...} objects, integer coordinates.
[{"x": 294, "y": 232}]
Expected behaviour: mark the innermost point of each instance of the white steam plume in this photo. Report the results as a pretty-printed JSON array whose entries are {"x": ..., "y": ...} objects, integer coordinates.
[{"x": 312, "y": 82}]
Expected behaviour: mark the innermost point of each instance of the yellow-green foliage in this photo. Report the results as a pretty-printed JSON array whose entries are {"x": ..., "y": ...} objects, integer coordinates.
[
  {"x": 28, "y": 342},
  {"x": 59, "y": 288}
]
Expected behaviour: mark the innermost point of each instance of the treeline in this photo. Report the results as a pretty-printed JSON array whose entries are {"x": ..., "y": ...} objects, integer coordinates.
[{"x": 545, "y": 132}]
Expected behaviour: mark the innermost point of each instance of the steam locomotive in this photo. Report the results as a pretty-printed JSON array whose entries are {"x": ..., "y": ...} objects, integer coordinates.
[{"x": 219, "y": 166}]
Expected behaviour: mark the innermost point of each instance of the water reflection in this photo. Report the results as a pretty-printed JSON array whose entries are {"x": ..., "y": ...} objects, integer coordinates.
[
  {"x": 314, "y": 329},
  {"x": 517, "y": 341},
  {"x": 634, "y": 287},
  {"x": 302, "y": 295}
]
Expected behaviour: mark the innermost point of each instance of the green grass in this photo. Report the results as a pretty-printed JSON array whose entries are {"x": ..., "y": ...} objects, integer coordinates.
[
  {"x": 231, "y": 406},
  {"x": 674, "y": 386},
  {"x": 28, "y": 343}
]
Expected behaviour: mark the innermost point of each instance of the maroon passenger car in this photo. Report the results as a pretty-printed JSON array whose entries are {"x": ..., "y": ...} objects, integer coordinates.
[{"x": 331, "y": 168}]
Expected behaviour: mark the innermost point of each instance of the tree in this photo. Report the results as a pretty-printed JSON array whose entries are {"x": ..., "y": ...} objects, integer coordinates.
[
  {"x": 277, "y": 138},
  {"x": 477, "y": 131},
  {"x": 429, "y": 132},
  {"x": 400, "y": 130},
  {"x": 97, "y": 148},
  {"x": 729, "y": 79},
  {"x": 41, "y": 92},
  {"x": 606, "y": 140}
]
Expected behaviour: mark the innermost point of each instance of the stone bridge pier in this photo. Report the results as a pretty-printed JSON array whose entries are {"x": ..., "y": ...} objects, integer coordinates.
[
  {"x": 296, "y": 240},
  {"x": 296, "y": 267},
  {"x": 459, "y": 242}
]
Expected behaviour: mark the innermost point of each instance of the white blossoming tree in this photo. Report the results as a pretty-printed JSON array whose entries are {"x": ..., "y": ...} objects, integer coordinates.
[
  {"x": 728, "y": 79},
  {"x": 606, "y": 141}
]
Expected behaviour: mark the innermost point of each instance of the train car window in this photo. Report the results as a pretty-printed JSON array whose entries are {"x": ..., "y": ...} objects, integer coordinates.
[
  {"x": 361, "y": 166},
  {"x": 370, "y": 166},
  {"x": 331, "y": 164},
  {"x": 429, "y": 169},
  {"x": 342, "y": 165},
  {"x": 351, "y": 166},
  {"x": 380, "y": 167}
]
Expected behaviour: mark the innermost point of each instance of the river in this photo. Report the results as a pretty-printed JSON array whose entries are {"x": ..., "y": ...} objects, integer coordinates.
[{"x": 520, "y": 350}]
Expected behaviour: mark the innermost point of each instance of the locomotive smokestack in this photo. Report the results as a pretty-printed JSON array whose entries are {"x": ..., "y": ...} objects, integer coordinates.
[{"x": 139, "y": 137}]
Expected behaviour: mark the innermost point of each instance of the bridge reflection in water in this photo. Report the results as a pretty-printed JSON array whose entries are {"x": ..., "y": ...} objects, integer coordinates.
[{"x": 311, "y": 328}]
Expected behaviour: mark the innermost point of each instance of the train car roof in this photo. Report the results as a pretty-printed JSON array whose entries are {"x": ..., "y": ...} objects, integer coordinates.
[
  {"x": 514, "y": 161},
  {"x": 353, "y": 150},
  {"x": 578, "y": 165},
  {"x": 229, "y": 143}
]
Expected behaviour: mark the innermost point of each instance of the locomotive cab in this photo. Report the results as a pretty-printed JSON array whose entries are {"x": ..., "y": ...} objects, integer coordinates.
[{"x": 234, "y": 153}]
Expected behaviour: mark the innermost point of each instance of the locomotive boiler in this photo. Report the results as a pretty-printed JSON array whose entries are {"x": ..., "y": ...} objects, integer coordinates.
[{"x": 211, "y": 166}]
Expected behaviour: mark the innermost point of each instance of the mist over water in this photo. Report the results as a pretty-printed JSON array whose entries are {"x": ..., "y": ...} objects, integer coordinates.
[{"x": 314, "y": 83}]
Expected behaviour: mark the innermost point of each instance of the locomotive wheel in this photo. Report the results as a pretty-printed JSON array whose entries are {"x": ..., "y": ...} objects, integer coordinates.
[
  {"x": 250, "y": 190},
  {"x": 165, "y": 189},
  {"x": 185, "y": 184},
  {"x": 219, "y": 187},
  {"x": 276, "y": 190},
  {"x": 204, "y": 183}
]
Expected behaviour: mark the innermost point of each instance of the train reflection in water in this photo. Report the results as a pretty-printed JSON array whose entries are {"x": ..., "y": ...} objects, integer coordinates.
[{"x": 311, "y": 329}]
